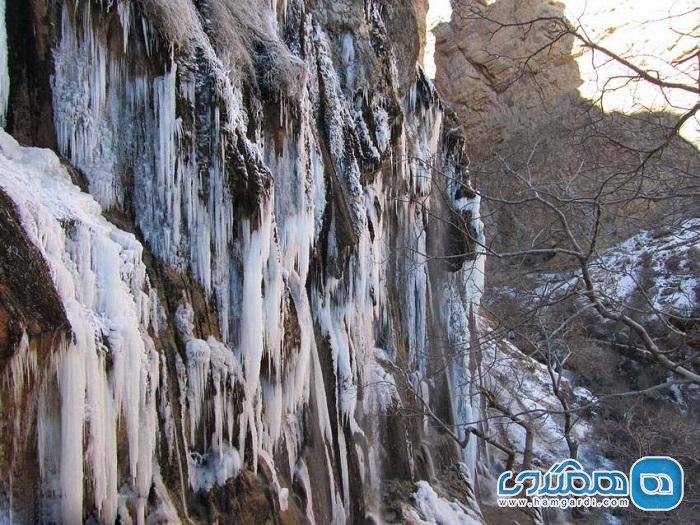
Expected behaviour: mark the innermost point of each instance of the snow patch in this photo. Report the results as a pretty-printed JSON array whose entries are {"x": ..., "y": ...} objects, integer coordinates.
[{"x": 440, "y": 511}]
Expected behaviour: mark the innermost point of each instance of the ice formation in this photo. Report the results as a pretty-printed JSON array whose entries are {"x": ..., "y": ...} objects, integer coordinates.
[
  {"x": 438, "y": 510},
  {"x": 284, "y": 266},
  {"x": 101, "y": 279}
]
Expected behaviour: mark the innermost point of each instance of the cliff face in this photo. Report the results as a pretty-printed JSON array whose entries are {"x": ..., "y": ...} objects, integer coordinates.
[
  {"x": 532, "y": 100},
  {"x": 495, "y": 77},
  {"x": 251, "y": 280}
]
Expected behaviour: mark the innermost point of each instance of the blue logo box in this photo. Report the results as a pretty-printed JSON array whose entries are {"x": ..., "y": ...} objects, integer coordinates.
[{"x": 656, "y": 483}]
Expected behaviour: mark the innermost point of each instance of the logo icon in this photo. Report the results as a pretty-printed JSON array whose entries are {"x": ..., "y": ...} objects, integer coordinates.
[{"x": 656, "y": 483}]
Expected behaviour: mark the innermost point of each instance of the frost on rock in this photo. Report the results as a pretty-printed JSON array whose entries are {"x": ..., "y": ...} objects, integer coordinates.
[
  {"x": 384, "y": 384},
  {"x": 215, "y": 468},
  {"x": 101, "y": 279},
  {"x": 340, "y": 135}
]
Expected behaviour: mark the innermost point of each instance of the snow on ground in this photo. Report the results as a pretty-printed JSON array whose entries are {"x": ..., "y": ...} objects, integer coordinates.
[
  {"x": 660, "y": 267},
  {"x": 523, "y": 386},
  {"x": 440, "y": 511},
  {"x": 667, "y": 258}
]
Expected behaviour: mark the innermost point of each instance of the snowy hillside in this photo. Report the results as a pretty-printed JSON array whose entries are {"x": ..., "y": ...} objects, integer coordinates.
[{"x": 656, "y": 271}]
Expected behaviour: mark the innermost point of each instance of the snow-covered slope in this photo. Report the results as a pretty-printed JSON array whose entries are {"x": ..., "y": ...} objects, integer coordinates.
[
  {"x": 661, "y": 264},
  {"x": 655, "y": 271}
]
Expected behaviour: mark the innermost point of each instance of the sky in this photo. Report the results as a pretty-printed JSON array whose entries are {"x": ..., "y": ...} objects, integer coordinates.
[
  {"x": 440, "y": 11},
  {"x": 654, "y": 33}
]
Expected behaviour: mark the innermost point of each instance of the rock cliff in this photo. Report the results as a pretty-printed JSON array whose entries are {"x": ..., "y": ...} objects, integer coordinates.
[{"x": 534, "y": 101}]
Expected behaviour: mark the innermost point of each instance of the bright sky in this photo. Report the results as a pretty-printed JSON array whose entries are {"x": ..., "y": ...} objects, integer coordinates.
[
  {"x": 652, "y": 34},
  {"x": 630, "y": 28},
  {"x": 440, "y": 11}
]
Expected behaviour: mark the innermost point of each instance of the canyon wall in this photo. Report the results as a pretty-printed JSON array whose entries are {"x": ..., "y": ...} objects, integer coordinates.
[
  {"x": 239, "y": 270},
  {"x": 537, "y": 104}
]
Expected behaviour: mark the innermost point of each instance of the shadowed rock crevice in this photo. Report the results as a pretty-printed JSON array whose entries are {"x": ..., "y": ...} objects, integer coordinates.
[{"x": 31, "y": 35}]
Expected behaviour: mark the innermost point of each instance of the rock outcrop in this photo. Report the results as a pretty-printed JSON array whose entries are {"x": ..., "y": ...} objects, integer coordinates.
[{"x": 531, "y": 105}]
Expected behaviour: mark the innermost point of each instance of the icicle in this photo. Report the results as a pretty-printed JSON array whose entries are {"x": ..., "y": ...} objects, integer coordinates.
[
  {"x": 166, "y": 184},
  {"x": 71, "y": 379},
  {"x": 101, "y": 279},
  {"x": 256, "y": 246},
  {"x": 282, "y": 493},
  {"x": 301, "y": 475},
  {"x": 23, "y": 366},
  {"x": 198, "y": 356},
  {"x": 124, "y": 10},
  {"x": 147, "y": 32},
  {"x": 347, "y": 54},
  {"x": 79, "y": 88}
]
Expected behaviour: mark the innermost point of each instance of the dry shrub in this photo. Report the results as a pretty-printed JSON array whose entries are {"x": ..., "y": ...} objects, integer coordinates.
[
  {"x": 177, "y": 20},
  {"x": 246, "y": 31},
  {"x": 243, "y": 34},
  {"x": 636, "y": 427},
  {"x": 594, "y": 365}
]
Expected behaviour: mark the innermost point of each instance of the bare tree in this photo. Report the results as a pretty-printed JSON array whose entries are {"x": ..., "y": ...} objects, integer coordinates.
[{"x": 553, "y": 287}]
